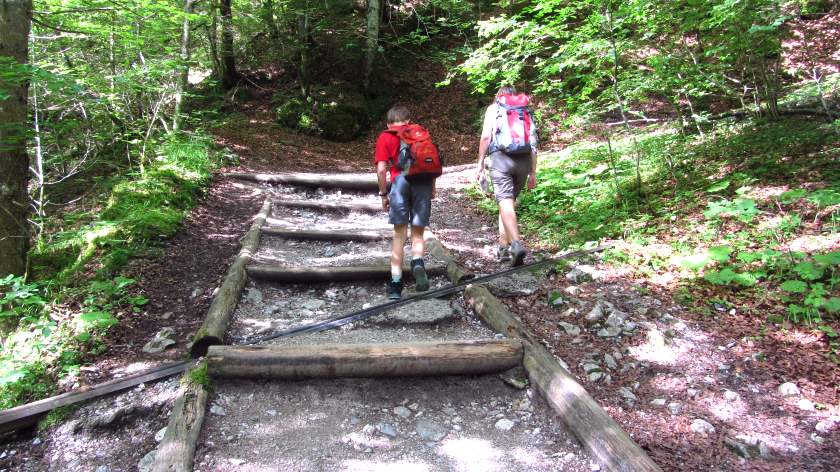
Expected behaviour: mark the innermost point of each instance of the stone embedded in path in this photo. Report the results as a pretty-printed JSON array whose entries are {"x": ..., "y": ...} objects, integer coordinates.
[
  {"x": 609, "y": 360},
  {"x": 609, "y": 332},
  {"x": 583, "y": 273},
  {"x": 158, "y": 344},
  {"x": 701, "y": 426},
  {"x": 504, "y": 424},
  {"x": 513, "y": 285},
  {"x": 806, "y": 405},
  {"x": 159, "y": 435},
  {"x": 627, "y": 394},
  {"x": 386, "y": 430},
  {"x": 731, "y": 396},
  {"x": 597, "y": 313},
  {"x": 570, "y": 329},
  {"x": 217, "y": 410},
  {"x": 402, "y": 412},
  {"x": 658, "y": 402},
  {"x": 429, "y": 430},
  {"x": 254, "y": 296},
  {"x": 789, "y": 389},
  {"x": 147, "y": 462},
  {"x": 748, "y": 447},
  {"x": 420, "y": 312},
  {"x": 313, "y": 304},
  {"x": 675, "y": 408},
  {"x": 616, "y": 318}
]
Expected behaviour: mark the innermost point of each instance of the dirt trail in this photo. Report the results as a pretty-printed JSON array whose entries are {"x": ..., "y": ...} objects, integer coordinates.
[{"x": 449, "y": 423}]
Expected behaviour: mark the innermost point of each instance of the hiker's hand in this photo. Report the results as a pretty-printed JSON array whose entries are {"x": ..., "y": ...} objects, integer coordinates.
[
  {"x": 386, "y": 203},
  {"x": 478, "y": 174},
  {"x": 532, "y": 181}
]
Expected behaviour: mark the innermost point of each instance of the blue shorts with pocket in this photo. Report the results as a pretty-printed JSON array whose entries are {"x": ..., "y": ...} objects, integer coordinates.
[{"x": 411, "y": 202}]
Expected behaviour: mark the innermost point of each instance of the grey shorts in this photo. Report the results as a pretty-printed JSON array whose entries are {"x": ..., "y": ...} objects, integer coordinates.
[
  {"x": 411, "y": 202},
  {"x": 508, "y": 174}
]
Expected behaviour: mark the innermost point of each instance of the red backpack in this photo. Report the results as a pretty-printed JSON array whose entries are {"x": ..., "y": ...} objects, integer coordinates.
[
  {"x": 419, "y": 157},
  {"x": 515, "y": 131}
]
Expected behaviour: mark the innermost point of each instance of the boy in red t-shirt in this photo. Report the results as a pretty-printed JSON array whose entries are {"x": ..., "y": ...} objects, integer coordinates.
[{"x": 408, "y": 202}]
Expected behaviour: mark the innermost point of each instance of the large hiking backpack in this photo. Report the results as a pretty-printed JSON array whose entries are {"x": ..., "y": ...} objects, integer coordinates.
[
  {"x": 419, "y": 157},
  {"x": 515, "y": 130}
]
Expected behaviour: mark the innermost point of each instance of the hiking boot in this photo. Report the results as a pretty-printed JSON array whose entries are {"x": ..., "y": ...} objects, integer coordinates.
[
  {"x": 503, "y": 253},
  {"x": 421, "y": 280},
  {"x": 395, "y": 290},
  {"x": 517, "y": 253}
]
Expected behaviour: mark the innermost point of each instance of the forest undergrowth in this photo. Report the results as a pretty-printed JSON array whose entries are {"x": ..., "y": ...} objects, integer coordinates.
[{"x": 58, "y": 320}]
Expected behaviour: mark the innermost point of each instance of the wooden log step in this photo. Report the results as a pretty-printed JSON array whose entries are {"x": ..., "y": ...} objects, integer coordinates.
[
  {"x": 345, "y": 181},
  {"x": 306, "y": 274},
  {"x": 602, "y": 437},
  {"x": 328, "y": 235},
  {"x": 330, "y": 205},
  {"x": 365, "y": 360}
]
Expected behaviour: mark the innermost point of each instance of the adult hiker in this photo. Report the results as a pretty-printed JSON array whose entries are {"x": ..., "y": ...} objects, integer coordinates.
[
  {"x": 509, "y": 137},
  {"x": 405, "y": 151}
]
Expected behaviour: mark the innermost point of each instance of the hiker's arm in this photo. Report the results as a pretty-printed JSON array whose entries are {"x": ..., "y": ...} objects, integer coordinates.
[
  {"x": 486, "y": 137},
  {"x": 532, "y": 177},
  {"x": 382, "y": 178}
]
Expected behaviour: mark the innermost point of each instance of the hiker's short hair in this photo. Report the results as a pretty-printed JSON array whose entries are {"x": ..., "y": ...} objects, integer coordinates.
[
  {"x": 397, "y": 114},
  {"x": 506, "y": 90}
]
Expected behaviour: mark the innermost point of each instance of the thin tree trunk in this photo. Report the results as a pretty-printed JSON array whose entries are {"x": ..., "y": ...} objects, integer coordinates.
[
  {"x": 184, "y": 66},
  {"x": 818, "y": 80},
  {"x": 229, "y": 75},
  {"x": 619, "y": 99},
  {"x": 15, "y": 22},
  {"x": 303, "y": 44},
  {"x": 213, "y": 41},
  {"x": 373, "y": 16}
]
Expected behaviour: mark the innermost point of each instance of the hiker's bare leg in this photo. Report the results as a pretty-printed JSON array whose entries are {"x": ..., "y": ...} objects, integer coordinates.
[
  {"x": 507, "y": 220},
  {"x": 417, "y": 242},
  {"x": 398, "y": 250},
  {"x": 503, "y": 239}
]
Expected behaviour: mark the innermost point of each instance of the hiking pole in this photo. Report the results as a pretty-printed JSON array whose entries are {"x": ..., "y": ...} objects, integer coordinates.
[{"x": 365, "y": 313}]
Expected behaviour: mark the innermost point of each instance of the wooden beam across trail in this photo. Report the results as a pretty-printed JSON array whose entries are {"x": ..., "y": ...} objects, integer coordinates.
[
  {"x": 328, "y": 235},
  {"x": 306, "y": 274},
  {"x": 344, "y": 181},
  {"x": 331, "y": 205},
  {"x": 224, "y": 303},
  {"x": 364, "y": 360},
  {"x": 27, "y": 415},
  {"x": 608, "y": 443}
]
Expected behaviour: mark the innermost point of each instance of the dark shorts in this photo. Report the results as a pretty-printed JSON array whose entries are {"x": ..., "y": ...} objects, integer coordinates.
[
  {"x": 508, "y": 174},
  {"x": 411, "y": 202}
]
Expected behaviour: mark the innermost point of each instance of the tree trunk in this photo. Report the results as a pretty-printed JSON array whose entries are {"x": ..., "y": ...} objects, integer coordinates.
[
  {"x": 15, "y": 21},
  {"x": 184, "y": 67},
  {"x": 303, "y": 43},
  {"x": 213, "y": 40},
  {"x": 309, "y": 274},
  {"x": 365, "y": 181},
  {"x": 229, "y": 75},
  {"x": 373, "y": 16}
]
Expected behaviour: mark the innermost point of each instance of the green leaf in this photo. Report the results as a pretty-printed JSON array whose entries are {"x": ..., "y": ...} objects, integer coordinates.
[
  {"x": 828, "y": 330},
  {"x": 720, "y": 253},
  {"x": 832, "y": 305},
  {"x": 794, "y": 286},
  {"x": 792, "y": 195},
  {"x": 694, "y": 261},
  {"x": 831, "y": 258},
  {"x": 11, "y": 376},
  {"x": 721, "y": 277},
  {"x": 825, "y": 197},
  {"x": 749, "y": 257},
  {"x": 722, "y": 185},
  {"x": 97, "y": 319},
  {"x": 808, "y": 270}
]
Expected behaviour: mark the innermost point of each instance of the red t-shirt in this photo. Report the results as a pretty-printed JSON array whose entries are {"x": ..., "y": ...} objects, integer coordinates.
[{"x": 387, "y": 149}]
